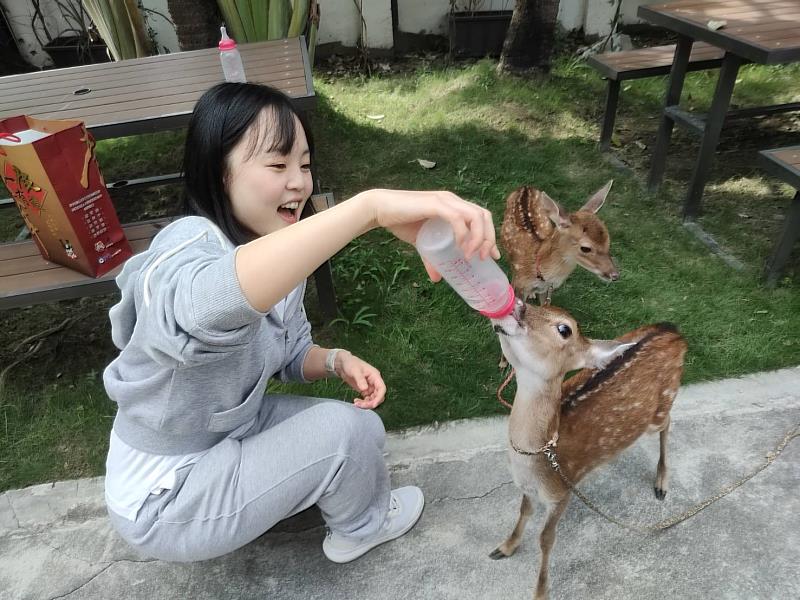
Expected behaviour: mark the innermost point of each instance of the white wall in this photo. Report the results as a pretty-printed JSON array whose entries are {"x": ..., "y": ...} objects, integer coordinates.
[
  {"x": 339, "y": 20},
  {"x": 20, "y": 14},
  {"x": 430, "y": 16},
  {"x": 166, "y": 38}
]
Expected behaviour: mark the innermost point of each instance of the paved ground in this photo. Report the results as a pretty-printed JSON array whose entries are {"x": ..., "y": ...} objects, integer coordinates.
[{"x": 56, "y": 542}]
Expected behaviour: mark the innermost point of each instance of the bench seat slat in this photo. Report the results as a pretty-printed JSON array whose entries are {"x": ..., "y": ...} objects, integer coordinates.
[
  {"x": 25, "y": 274},
  {"x": 783, "y": 163},
  {"x": 134, "y": 231},
  {"x": 646, "y": 62}
]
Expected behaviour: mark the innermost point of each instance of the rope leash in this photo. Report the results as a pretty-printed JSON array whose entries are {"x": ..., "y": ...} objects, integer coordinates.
[
  {"x": 549, "y": 452},
  {"x": 552, "y": 458}
]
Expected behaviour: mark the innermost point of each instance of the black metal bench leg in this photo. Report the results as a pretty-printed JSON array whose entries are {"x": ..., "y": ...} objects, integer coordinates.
[
  {"x": 713, "y": 128},
  {"x": 791, "y": 232},
  {"x": 323, "y": 280},
  {"x": 680, "y": 62},
  {"x": 612, "y": 99},
  {"x": 323, "y": 276}
]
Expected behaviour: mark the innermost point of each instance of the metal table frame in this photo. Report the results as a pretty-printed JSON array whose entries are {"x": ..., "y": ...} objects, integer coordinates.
[{"x": 738, "y": 51}]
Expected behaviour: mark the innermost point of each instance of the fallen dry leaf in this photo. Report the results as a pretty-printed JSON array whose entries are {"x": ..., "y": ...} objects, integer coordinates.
[{"x": 428, "y": 164}]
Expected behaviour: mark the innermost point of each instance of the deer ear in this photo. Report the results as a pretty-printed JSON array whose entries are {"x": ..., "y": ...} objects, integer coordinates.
[
  {"x": 555, "y": 211},
  {"x": 595, "y": 203},
  {"x": 602, "y": 352}
]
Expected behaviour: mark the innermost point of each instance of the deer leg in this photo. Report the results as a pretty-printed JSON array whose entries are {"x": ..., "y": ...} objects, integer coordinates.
[
  {"x": 546, "y": 539},
  {"x": 661, "y": 471},
  {"x": 510, "y": 546}
]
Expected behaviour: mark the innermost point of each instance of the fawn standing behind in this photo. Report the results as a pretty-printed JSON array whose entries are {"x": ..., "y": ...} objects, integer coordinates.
[
  {"x": 625, "y": 388},
  {"x": 544, "y": 242}
]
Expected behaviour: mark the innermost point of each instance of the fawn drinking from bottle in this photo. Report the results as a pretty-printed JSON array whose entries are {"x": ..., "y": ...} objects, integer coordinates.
[{"x": 625, "y": 388}]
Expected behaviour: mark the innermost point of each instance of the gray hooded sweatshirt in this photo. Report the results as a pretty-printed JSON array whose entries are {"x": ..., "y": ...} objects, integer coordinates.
[{"x": 195, "y": 357}]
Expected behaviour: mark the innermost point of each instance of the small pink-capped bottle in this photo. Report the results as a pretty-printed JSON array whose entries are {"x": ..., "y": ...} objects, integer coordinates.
[
  {"x": 481, "y": 283},
  {"x": 232, "y": 66}
]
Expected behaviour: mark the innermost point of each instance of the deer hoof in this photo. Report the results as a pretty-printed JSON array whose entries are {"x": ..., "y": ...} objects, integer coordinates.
[
  {"x": 497, "y": 554},
  {"x": 661, "y": 493}
]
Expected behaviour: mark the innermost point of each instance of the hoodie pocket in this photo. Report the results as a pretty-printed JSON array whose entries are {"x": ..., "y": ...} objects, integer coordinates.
[{"x": 228, "y": 420}]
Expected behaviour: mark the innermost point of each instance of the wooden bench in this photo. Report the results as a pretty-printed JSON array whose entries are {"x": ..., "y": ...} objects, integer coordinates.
[
  {"x": 784, "y": 163},
  {"x": 617, "y": 67},
  {"x": 26, "y": 278},
  {"x": 133, "y": 97}
]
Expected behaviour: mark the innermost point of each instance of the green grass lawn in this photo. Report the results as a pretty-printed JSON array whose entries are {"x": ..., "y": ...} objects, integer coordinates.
[{"x": 488, "y": 135}]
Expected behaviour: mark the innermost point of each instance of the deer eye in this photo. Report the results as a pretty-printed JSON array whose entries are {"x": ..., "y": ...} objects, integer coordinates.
[
  {"x": 564, "y": 330},
  {"x": 585, "y": 249}
]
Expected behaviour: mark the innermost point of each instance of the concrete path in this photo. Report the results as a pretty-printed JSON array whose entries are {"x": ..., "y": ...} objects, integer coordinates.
[{"x": 56, "y": 542}]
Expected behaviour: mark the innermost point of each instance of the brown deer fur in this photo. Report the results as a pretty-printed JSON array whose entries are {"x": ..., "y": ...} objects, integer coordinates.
[
  {"x": 543, "y": 242},
  {"x": 625, "y": 388}
]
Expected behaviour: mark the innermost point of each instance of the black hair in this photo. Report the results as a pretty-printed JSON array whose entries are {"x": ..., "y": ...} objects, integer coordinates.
[{"x": 220, "y": 119}]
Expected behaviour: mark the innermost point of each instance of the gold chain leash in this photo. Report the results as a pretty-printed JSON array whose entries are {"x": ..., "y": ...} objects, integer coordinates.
[{"x": 548, "y": 450}]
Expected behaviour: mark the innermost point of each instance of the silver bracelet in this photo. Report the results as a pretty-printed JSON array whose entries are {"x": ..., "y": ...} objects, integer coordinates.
[{"x": 330, "y": 360}]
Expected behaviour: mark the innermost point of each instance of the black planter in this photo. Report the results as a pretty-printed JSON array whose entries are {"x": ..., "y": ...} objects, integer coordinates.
[
  {"x": 477, "y": 34},
  {"x": 72, "y": 51}
]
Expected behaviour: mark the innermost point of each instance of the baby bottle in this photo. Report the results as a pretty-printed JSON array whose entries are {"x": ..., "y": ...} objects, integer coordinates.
[
  {"x": 232, "y": 65},
  {"x": 481, "y": 283}
]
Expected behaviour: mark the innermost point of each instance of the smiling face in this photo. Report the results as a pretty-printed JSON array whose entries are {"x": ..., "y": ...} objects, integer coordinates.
[{"x": 267, "y": 188}]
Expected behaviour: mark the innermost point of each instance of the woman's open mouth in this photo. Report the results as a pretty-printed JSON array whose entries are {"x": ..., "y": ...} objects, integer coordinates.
[{"x": 289, "y": 212}]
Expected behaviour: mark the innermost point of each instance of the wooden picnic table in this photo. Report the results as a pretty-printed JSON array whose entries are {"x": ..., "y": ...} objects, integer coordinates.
[
  {"x": 133, "y": 97},
  {"x": 759, "y": 31}
]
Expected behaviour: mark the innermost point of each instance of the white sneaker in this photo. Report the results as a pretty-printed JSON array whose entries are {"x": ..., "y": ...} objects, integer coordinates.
[{"x": 405, "y": 508}]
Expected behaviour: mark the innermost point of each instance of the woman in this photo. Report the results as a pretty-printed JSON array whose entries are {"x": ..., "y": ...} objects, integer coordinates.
[{"x": 201, "y": 461}]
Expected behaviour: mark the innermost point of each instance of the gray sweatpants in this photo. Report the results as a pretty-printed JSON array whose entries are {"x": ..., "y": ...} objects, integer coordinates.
[{"x": 299, "y": 452}]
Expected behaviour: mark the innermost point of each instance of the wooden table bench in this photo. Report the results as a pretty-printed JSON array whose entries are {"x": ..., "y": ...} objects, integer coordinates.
[
  {"x": 784, "y": 163},
  {"x": 132, "y": 97},
  {"x": 617, "y": 67},
  {"x": 26, "y": 278}
]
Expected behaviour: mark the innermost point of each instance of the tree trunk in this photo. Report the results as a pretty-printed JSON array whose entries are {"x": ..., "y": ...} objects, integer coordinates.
[
  {"x": 530, "y": 37},
  {"x": 197, "y": 22}
]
